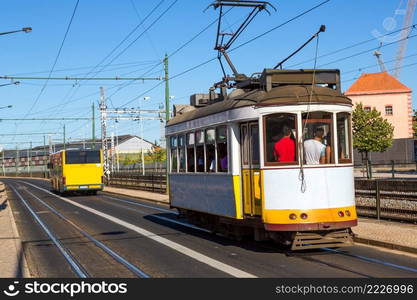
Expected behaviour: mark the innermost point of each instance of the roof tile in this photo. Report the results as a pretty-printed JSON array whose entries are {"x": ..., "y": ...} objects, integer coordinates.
[{"x": 376, "y": 83}]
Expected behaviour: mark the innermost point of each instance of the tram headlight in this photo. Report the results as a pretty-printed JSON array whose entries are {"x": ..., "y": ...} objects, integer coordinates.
[
  {"x": 293, "y": 216},
  {"x": 303, "y": 216},
  {"x": 347, "y": 213},
  {"x": 341, "y": 214}
]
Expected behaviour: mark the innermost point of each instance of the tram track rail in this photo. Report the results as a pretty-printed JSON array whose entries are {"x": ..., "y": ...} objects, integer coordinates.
[
  {"x": 172, "y": 216},
  {"x": 76, "y": 266},
  {"x": 302, "y": 255}
]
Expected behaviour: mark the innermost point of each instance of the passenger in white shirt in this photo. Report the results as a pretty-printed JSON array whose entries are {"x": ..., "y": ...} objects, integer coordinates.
[{"x": 314, "y": 149}]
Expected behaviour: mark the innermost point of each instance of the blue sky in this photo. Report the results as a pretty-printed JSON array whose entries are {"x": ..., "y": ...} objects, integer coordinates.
[{"x": 99, "y": 26}]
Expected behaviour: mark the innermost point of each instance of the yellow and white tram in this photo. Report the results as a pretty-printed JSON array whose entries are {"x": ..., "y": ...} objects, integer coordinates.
[{"x": 226, "y": 171}]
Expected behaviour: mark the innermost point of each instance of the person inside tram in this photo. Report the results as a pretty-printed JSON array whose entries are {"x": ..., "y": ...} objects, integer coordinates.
[
  {"x": 328, "y": 148},
  {"x": 314, "y": 149},
  {"x": 284, "y": 149}
]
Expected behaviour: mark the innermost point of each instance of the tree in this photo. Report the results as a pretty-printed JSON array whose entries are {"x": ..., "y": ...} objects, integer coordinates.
[
  {"x": 415, "y": 123},
  {"x": 371, "y": 132}
]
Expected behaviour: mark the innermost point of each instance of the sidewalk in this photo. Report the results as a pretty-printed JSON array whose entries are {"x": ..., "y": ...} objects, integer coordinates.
[
  {"x": 155, "y": 197},
  {"x": 392, "y": 235},
  {"x": 12, "y": 260}
]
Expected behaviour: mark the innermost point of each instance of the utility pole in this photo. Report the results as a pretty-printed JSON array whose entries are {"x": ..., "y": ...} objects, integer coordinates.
[
  {"x": 166, "y": 89},
  {"x": 45, "y": 157},
  {"x": 112, "y": 152},
  {"x": 17, "y": 161},
  {"x": 103, "y": 117},
  {"x": 64, "y": 138},
  {"x": 29, "y": 158},
  {"x": 93, "y": 120},
  {"x": 4, "y": 171},
  {"x": 166, "y": 116}
]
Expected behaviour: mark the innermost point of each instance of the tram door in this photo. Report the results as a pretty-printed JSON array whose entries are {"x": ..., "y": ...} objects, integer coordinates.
[{"x": 251, "y": 175}]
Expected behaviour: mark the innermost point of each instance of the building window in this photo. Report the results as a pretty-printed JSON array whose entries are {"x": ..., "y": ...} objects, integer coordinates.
[
  {"x": 190, "y": 152},
  {"x": 280, "y": 139},
  {"x": 388, "y": 110},
  {"x": 199, "y": 150},
  {"x": 344, "y": 138},
  {"x": 318, "y": 138},
  {"x": 210, "y": 150},
  {"x": 367, "y": 108},
  {"x": 221, "y": 140},
  {"x": 174, "y": 162}
]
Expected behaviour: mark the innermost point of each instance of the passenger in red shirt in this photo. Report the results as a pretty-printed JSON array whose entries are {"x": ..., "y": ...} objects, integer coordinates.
[{"x": 284, "y": 149}]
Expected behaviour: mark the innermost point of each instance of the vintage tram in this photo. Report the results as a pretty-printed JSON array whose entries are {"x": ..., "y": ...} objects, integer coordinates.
[{"x": 273, "y": 159}]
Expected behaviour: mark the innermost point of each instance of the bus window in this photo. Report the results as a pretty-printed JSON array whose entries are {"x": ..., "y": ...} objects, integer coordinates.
[
  {"x": 174, "y": 163},
  {"x": 82, "y": 157},
  {"x": 181, "y": 153},
  {"x": 280, "y": 139},
  {"x": 190, "y": 152},
  {"x": 221, "y": 139},
  {"x": 318, "y": 138},
  {"x": 199, "y": 150},
  {"x": 210, "y": 150},
  {"x": 343, "y": 137}
]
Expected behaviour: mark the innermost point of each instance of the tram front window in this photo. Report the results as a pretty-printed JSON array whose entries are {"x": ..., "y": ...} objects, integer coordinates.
[
  {"x": 318, "y": 138},
  {"x": 280, "y": 139},
  {"x": 343, "y": 137}
]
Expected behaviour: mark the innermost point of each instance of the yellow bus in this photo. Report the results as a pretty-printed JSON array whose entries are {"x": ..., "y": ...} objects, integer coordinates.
[{"x": 76, "y": 171}]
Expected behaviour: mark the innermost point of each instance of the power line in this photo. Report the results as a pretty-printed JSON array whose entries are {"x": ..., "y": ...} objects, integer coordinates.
[
  {"x": 351, "y": 46},
  {"x": 56, "y": 59},
  {"x": 366, "y": 51},
  {"x": 235, "y": 48},
  {"x": 107, "y": 56}
]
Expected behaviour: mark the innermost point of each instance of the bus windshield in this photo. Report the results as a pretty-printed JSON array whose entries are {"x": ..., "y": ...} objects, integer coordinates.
[{"x": 82, "y": 157}]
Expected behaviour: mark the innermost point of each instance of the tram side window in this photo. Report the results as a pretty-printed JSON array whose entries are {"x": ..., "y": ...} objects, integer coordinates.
[
  {"x": 344, "y": 137},
  {"x": 210, "y": 150},
  {"x": 318, "y": 138},
  {"x": 181, "y": 152},
  {"x": 280, "y": 138},
  {"x": 221, "y": 139},
  {"x": 190, "y": 152},
  {"x": 174, "y": 156},
  {"x": 199, "y": 150}
]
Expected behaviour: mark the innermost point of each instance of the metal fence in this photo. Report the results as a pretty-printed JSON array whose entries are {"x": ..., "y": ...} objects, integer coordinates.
[
  {"x": 153, "y": 182},
  {"x": 392, "y": 169},
  {"x": 394, "y": 199}
]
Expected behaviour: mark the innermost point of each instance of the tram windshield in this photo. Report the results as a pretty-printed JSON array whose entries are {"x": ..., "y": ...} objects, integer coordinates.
[
  {"x": 82, "y": 157},
  {"x": 280, "y": 139},
  {"x": 318, "y": 138}
]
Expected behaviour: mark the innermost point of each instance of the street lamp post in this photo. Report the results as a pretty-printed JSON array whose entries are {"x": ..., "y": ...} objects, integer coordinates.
[
  {"x": 8, "y": 106},
  {"x": 24, "y": 29},
  {"x": 14, "y": 82}
]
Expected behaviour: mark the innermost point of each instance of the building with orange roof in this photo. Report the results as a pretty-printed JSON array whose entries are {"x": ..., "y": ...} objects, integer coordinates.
[{"x": 389, "y": 96}]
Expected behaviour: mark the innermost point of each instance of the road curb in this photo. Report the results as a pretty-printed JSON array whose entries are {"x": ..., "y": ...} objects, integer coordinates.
[
  {"x": 18, "y": 240},
  {"x": 137, "y": 197},
  {"x": 387, "y": 245}
]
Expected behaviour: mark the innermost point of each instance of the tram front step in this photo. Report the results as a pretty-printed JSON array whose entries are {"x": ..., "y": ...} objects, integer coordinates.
[{"x": 314, "y": 240}]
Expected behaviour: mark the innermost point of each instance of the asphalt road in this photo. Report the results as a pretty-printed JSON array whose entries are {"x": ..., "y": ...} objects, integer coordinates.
[{"x": 148, "y": 238}]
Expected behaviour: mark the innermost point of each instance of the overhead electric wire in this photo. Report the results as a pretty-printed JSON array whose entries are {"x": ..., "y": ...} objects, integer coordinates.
[
  {"x": 352, "y": 46},
  {"x": 366, "y": 51},
  {"x": 235, "y": 48},
  {"x": 73, "y": 92},
  {"x": 56, "y": 59}
]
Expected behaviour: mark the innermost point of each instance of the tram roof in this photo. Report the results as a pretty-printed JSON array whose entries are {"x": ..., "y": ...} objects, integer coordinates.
[{"x": 278, "y": 96}]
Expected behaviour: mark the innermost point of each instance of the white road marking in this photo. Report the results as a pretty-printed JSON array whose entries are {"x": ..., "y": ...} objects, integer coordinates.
[{"x": 175, "y": 246}]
